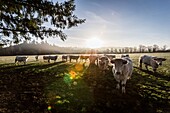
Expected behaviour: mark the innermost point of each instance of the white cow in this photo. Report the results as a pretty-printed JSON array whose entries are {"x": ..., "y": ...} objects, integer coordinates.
[
  {"x": 122, "y": 71},
  {"x": 124, "y": 55},
  {"x": 154, "y": 62},
  {"x": 21, "y": 59},
  {"x": 84, "y": 57},
  {"x": 103, "y": 63},
  {"x": 74, "y": 57},
  {"x": 64, "y": 57},
  {"x": 93, "y": 59},
  {"x": 36, "y": 57}
]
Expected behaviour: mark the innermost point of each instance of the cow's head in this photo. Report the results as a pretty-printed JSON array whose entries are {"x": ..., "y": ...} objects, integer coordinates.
[
  {"x": 156, "y": 62},
  {"x": 118, "y": 65},
  {"x": 103, "y": 63},
  {"x": 159, "y": 60},
  {"x": 92, "y": 59}
]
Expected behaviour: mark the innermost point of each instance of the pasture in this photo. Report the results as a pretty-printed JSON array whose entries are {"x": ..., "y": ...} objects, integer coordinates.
[{"x": 64, "y": 87}]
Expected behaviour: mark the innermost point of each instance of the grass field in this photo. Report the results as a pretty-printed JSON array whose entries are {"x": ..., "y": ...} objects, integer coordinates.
[{"x": 64, "y": 87}]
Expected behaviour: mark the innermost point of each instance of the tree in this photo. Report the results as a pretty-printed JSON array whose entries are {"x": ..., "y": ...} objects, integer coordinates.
[
  {"x": 23, "y": 19},
  {"x": 134, "y": 49},
  {"x": 155, "y": 48},
  {"x": 164, "y": 47},
  {"x": 150, "y": 49},
  {"x": 142, "y": 48}
]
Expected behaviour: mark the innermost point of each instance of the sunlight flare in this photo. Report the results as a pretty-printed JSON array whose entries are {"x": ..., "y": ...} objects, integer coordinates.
[
  {"x": 49, "y": 108},
  {"x": 94, "y": 43}
]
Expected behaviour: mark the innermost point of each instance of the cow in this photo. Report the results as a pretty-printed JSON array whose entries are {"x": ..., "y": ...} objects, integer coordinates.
[
  {"x": 103, "y": 62},
  {"x": 21, "y": 59},
  {"x": 124, "y": 55},
  {"x": 36, "y": 57},
  {"x": 64, "y": 57},
  {"x": 152, "y": 61},
  {"x": 53, "y": 57},
  {"x": 84, "y": 57},
  {"x": 50, "y": 57},
  {"x": 47, "y": 57},
  {"x": 74, "y": 57},
  {"x": 93, "y": 59},
  {"x": 122, "y": 71}
]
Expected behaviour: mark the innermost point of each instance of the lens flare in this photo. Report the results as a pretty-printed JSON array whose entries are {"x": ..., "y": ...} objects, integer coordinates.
[
  {"x": 67, "y": 78},
  {"x": 79, "y": 67},
  {"x": 74, "y": 83},
  {"x": 72, "y": 74},
  {"x": 49, "y": 108}
]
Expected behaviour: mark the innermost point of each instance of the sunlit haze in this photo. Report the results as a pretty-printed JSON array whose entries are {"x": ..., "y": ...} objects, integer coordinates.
[
  {"x": 94, "y": 43},
  {"x": 120, "y": 23}
]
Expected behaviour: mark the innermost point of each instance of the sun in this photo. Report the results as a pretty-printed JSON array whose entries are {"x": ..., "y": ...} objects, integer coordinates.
[{"x": 94, "y": 43}]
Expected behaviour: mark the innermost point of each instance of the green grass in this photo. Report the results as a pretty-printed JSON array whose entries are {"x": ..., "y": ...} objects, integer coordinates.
[{"x": 63, "y": 87}]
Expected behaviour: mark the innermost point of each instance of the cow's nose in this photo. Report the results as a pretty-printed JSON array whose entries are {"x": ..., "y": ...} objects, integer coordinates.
[
  {"x": 103, "y": 63},
  {"x": 118, "y": 73},
  {"x": 160, "y": 64}
]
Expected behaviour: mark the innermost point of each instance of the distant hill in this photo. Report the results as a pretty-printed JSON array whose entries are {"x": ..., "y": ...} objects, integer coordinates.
[{"x": 38, "y": 49}]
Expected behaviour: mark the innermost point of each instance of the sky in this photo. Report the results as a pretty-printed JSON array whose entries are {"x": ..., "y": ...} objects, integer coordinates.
[{"x": 119, "y": 23}]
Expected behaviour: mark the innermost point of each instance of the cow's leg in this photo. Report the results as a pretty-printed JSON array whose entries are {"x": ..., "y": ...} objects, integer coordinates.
[
  {"x": 15, "y": 60},
  {"x": 146, "y": 66},
  {"x": 140, "y": 63},
  {"x": 123, "y": 86}
]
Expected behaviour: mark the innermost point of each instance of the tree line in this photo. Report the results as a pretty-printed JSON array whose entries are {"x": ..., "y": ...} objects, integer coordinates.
[
  {"x": 34, "y": 48},
  {"x": 140, "y": 49}
]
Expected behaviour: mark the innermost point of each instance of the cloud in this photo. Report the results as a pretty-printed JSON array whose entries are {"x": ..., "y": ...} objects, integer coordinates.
[{"x": 94, "y": 18}]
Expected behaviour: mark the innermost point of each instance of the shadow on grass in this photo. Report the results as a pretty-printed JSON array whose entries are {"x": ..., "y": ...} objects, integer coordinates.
[
  {"x": 35, "y": 87},
  {"x": 28, "y": 68},
  {"x": 22, "y": 87},
  {"x": 107, "y": 99},
  {"x": 154, "y": 89},
  {"x": 156, "y": 74}
]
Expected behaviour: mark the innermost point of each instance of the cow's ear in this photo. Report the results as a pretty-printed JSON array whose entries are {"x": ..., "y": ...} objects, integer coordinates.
[
  {"x": 112, "y": 61},
  {"x": 124, "y": 61},
  {"x": 163, "y": 59}
]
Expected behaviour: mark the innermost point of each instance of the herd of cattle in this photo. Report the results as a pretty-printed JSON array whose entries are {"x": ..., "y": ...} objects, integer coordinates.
[{"x": 122, "y": 67}]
